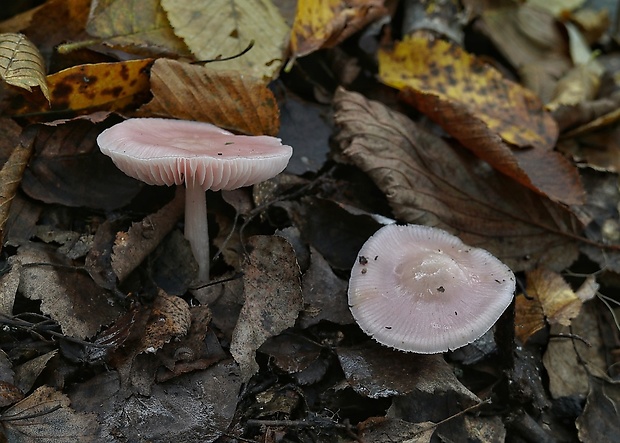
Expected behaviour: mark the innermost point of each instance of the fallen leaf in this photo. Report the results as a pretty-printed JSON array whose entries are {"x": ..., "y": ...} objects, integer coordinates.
[
  {"x": 12, "y": 170},
  {"x": 426, "y": 181},
  {"x": 170, "y": 318},
  {"x": 45, "y": 416},
  {"x": 529, "y": 317},
  {"x": 133, "y": 246},
  {"x": 140, "y": 26},
  {"x": 558, "y": 301},
  {"x": 574, "y": 353},
  {"x": 500, "y": 121},
  {"x": 599, "y": 420},
  {"x": 273, "y": 298},
  {"x": 68, "y": 168},
  {"x": 376, "y": 371},
  {"x": 325, "y": 23},
  {"x": 21, "y": 63},
  {"x": 388, "y": 430},
  {"x": 68, "y": 295},
  {"x": 192, "y": 408},
  {"x": 27, "y": 373},
  {"x": 229, "y": 99},
  {"x": 88, "y": 88},
  {"x": 218, "y": 29}
]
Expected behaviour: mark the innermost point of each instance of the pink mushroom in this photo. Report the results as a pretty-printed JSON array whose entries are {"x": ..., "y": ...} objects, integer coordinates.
[
  {"x": 421, "y": 289},
  {"x": 199, "y": 155}
]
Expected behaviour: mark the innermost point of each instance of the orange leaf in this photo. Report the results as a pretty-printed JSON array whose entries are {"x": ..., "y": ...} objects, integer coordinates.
[
  {"x": 325, "y": 23},
  {"x": 229, "y": 99},
  {"x": 103, "y": 86},
  {"x": 529, "y": 317},
  {"x": 487, "y": 113}
]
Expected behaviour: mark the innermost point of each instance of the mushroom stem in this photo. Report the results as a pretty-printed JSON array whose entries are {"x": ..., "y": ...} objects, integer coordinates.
[{"x": 196, "y": 228}]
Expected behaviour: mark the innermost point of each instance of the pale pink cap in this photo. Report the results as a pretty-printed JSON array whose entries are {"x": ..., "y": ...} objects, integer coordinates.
[
  {"x": 421, "y": 289},
  {"x": 161, "y": 151}
]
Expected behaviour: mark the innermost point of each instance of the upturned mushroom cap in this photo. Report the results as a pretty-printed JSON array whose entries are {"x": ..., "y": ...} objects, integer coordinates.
[
  {"x": 161, "y": 151},
  {"x": 421, "y": 289}
]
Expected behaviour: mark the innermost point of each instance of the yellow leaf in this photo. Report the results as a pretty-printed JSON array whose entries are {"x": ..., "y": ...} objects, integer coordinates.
[
  {"x": 95, "y": 87},
  {"x": 558, "y": 301},
  {"x": 21, "y": 63},
  {"x": 325, "y": 23},
  {"x": 444, "y": 69},
  {"x": 215, "y": 29}
]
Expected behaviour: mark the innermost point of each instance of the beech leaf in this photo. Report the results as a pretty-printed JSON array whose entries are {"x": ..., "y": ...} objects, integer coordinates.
[
  {"x": 499, "y": 120},
  {"x": 231, "y": 100},
  {"x": 21, "y": 63},
  {"x": 427, "y": 181},
  {"x": 214, "y": 29},
  {"x": 326, "y": 23}
]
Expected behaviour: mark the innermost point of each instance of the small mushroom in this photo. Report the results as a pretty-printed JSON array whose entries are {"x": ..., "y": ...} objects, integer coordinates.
[
  {"x": 201, "y": 156},
  {"x": 427, "y": 292}
]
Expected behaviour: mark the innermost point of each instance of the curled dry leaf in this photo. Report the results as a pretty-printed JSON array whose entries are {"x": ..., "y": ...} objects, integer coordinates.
[
  {"x": 84, "y": 89},
  {"x": 45, "y": 416},
  {"x": 499, "y": 120},
  {"x": 231, "y": 100},
  {"x": 13, "y": 170},
  {"x": 133, "y": 246},
  {"x": 215, "y": 29},
  {"x": 170, "y": 318},
  {"x": 324, "y": 24},
  {"x": 273, "y": 298},
  {"x": 140, "y": 26},
  {"x": 21, "y": 63},
  {"x": 428, "y": 182}
]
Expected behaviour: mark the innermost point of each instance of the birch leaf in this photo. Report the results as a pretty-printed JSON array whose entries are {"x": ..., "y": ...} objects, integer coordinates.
[{"x": 21, "y": 63}]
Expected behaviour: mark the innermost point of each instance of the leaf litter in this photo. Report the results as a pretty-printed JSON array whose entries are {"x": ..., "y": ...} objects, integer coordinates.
[{"x": 107, "y": 337}]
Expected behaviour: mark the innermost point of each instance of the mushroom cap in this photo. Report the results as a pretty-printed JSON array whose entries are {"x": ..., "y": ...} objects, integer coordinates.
[
  {"x": 162, "y": 151},
  {"x": 421, "y": 289}
]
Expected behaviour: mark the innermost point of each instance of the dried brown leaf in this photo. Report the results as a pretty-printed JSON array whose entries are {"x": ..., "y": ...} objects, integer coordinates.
[
  {"x": 21, "y": 63},
  {"x": 273, "y": 298},
  {"x": 12, "y": 171},
  {"x": 133, "y": 246},
  {"x": 428, "y": 182},
  {"x": 529, "y": 317},
  {"x": 599, "y": 420},
  {"x": 170, "y": 318},
  {"x": 229, "y": 99},
  {"x": 45, "y": 416}
]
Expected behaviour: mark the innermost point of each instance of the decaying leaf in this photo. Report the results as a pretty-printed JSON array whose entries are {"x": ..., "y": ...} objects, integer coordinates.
[
  {"x": 558, "y": 301},
  {"x": 68, "y": 295},
  {"x": 12, "y": 171},
  {"x": 140, "y": 26},
  {"x": 88, "y": 88},
  {"x": 574, "y": 354},
  {"x": 428, "y": 182},
  {"x": 388, "y": 430},
  {"x": 529, "y": 317},
  {"x": 599, "y": 420},
  {"x": 45, "y": 416},
  {"x": 272, "y": 298},
  {"x": 499, "y": 120},
  {"x": 229, "y": 99},
  {"x": 21, "y": 63},
  {"x": 324, "y": 24},
  {"x": 27, "y": 373},
  {"x": 133, "y": 246},
  {"x": 67, "y": 168},
  {"x": 170, "y": 318},
  {"x": 214, "y": 29}
]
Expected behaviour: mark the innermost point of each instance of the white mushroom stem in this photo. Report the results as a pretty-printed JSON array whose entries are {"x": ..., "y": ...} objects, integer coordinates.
[{"x": 196, "y": 228}]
